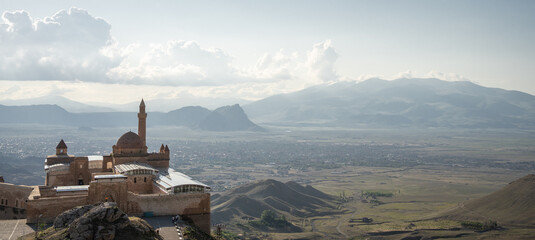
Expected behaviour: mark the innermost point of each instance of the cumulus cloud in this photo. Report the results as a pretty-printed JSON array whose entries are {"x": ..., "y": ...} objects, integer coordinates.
[
  {"x": 178, "y": 63},
  {"x": 321, "y": 61},
  {"x": 276, "y": 66},
  {"x": 67, "y": 46},
  {"x": 77, "y": 49}
]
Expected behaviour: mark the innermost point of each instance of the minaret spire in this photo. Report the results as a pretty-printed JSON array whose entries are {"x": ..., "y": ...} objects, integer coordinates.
[{"x": 142, "y": 123}]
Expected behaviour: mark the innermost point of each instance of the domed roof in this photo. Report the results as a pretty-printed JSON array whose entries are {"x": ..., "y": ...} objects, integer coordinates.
[{"x": 130, "y": 140}]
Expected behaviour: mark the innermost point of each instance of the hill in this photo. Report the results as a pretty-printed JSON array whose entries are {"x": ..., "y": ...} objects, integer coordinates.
[
  {"x": 288, "y": 199},
  {"x": 65, "y": 103},
  {"x": 228, "y": 118},
  {"x": 399, "y": 103},
  {"x": 513, "y": 204}
]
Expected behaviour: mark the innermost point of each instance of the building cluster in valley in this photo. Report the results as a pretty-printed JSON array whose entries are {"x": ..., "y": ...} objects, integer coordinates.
[{"x": 141, "y": 183}]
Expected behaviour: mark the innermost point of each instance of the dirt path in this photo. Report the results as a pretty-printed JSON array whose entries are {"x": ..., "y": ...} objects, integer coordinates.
[{"x": 345, "y": 219}]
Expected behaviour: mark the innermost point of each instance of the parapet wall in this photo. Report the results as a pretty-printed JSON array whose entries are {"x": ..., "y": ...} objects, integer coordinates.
[
  {"x": 160, "y": 204},
  {"x": 194, "y": 205},
  {"x": 13, "y": 200},
  {"x": 46, "y": 209}
]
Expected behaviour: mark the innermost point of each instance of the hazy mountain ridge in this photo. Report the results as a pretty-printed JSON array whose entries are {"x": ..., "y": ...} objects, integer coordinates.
[
  {"x": 402, "y": 102},
  {"x": 228, "y": 118},
  {"x": 157, "y": 105}
]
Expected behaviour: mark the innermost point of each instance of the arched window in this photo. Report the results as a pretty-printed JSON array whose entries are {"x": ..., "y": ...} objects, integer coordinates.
[
  {"x": 145, "y": 179},
  {"x": 16, "y": 203},
  {"x": 135, "y": 180}
]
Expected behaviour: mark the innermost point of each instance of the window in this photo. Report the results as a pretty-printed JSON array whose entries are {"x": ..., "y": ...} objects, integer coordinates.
[
  {"x": 135, "y": 180},
  {"x": 145, "y": 179},
  {"x": 81, "y": 166},
  {"x": 2, "y": 201},
  {"x": 16, "y": 203}
]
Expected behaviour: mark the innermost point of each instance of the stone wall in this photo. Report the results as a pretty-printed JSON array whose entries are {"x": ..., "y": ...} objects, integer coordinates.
[
  {"x": 140, "y": 183},
  {"x": 46, "y": 209},
  {"x": 59, "y": 178},
  {"x": 190, "y": 204},
  {"x": 202, "y": 221},
  {"x": 108, "y": 192},
  {"x": 13, "y": 200}
]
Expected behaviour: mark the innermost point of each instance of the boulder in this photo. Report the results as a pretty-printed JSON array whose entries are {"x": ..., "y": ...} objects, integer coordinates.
[{"x": 102, "y": 221}]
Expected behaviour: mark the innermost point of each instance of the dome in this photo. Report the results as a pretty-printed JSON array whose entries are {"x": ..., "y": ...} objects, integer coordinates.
[{"x": 129, "y": 140}]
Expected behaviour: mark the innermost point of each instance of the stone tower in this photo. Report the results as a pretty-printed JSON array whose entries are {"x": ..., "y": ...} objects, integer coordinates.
[
  {"x": 61, "y": 149},
  {"x": 142, "y": 124}
]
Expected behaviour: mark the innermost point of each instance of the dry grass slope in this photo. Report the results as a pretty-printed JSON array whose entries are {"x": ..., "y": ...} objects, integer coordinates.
[
  {"x": 290, "y": 199},
  {"x": 513, "y": 204}
]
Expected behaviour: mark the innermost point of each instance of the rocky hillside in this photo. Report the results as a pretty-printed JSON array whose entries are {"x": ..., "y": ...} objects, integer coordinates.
[
  {"x": 228, "y": 118},
  {"x": 513, "y": 204},
  {"x": 99, "y": 221},
  {"x": 289, "y": 199}
]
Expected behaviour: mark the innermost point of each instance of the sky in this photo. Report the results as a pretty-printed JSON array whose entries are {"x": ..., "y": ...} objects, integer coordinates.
[{"x": 120, "y": 51}]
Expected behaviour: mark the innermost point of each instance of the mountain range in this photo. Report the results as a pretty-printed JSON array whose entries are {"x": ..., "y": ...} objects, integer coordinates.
[
  {"x": 422, "y": 103},
  {"x": 227, "y": 118},
  {"x": 398, "y": 103},
  {"x": 157, "y": 105}
]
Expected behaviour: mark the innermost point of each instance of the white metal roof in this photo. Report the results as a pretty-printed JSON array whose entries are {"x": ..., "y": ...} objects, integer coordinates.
[
  {"x": 57, "y": 167},
  {"x": 110, "y": 176},
  {"x": 125, "y": 167},
  {"x": 95, "y": 158},
  {"x": 72, "y": 188},
  {"x": 169, "y": 178}
]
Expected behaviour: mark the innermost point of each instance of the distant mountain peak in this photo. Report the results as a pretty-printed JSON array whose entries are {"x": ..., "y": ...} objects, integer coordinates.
[
  {"x": 404, "y": 102},
  {"x": 228, "y": 118}
]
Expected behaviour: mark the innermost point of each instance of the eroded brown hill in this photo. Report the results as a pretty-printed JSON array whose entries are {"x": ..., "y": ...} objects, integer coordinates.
[
  {"x": 513, "y": 204},
  {"x": 290, "y": 199}
]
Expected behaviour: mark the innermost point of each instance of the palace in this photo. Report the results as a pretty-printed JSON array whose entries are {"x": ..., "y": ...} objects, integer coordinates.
[{"x": 141, "y": 183}]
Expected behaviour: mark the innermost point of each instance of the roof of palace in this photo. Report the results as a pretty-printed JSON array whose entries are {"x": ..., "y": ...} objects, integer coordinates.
[
  {"x": 169, "y": 178},
  {"x": 125, "y": 167},
  {"x": 130, "y": 140}
]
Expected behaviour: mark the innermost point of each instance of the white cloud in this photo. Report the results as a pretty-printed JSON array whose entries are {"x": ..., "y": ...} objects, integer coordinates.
[
  {"x": 321, "y": 61},
  {"x": 177, "y": 63},
  {"x": 446, "y": 76},
  {"x": 67, "y": 46},
  {"x": 279, "y": 66},
  {"x": 77, "y": 50},
  {"x": 406, "y": 74}
]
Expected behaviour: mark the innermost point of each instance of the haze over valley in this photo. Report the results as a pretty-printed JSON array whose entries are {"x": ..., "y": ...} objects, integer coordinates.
[{"x": 301, "y": 119}]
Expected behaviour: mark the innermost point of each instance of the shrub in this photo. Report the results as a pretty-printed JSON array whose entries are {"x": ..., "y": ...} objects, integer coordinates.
[{"x": 479, "y": 226}]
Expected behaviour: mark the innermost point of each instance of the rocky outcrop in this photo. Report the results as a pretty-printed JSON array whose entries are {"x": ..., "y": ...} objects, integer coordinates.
[{"x": 102, "y": 221}]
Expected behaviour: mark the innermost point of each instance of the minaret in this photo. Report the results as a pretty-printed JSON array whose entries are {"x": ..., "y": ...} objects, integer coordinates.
[{"x": 142, "y": 124}]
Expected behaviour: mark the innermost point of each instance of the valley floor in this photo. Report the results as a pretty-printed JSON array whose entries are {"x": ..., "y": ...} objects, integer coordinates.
[{"x": 419, "y": 195}]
